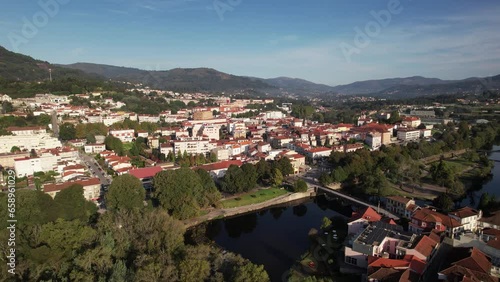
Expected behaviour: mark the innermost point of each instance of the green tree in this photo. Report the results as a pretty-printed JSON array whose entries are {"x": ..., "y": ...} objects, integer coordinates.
[
  {"x": 90, "y": 138},
  {"x": 300, "y": 186},
  {"x": 325, "y": 179},
  {"x": 210, "y": 191},
  {"x": 285, "y": 166},
  {"x": 263, "y": 170},
  {"x": 250, "y": 174},
  {"x": 444, "y": 202},
  {"x": 276, "y": 177},
  {"x": 234, "y": 180},
  {"x": 15, "y": 149},
  {"x": 250, "y": 272},
  {"x": 180, "y": 192},
  {"x": 67, "y": 131},
  {"x": 125, "y": 193},
  {"x": 73, "y": 205},
  {"x": 339, "y": 175}
]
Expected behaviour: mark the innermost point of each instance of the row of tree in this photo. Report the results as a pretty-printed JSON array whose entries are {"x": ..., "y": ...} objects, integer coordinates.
[
  {"x": 64, "y": 239},
  {"x": 370, "y": 172}
]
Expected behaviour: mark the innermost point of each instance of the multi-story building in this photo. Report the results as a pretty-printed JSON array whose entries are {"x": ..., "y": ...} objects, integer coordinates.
[
  {"x": 408, "y": 134},
  {"x": 28, "y": 142},
  {"x": 192, "y": 145},
  {"x": 91, "y": 188},
  {"x": 374, "y": 140},
  {"x": 203, "y": 115},
  {"x": 94, "y": 148},
  {"x": 401, "y": 206},
  {"x": 125, "y": 135},
  {"x": 426, "y": 219},
  {"x": 468, "y": 218},
  {"x": 27, "y": 131},
  {"x": 411, "y": 122}
]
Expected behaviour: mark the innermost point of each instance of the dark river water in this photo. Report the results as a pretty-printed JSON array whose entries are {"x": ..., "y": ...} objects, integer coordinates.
[
  {"x": 277, "y": 236},
  {"x": 491, "y": 186}
]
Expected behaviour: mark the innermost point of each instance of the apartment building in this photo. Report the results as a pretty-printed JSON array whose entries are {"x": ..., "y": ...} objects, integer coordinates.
[{"x": 125, "y": 135}]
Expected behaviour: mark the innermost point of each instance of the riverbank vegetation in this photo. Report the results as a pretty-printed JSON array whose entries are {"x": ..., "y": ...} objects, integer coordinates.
[
  {"x": 256, "y": 197},
  {"x": 65, "y": 239},
  {"x": 366, "y": 173}
]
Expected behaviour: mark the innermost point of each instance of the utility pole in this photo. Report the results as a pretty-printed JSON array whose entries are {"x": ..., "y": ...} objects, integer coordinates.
[{"x": 50, "y": 75}]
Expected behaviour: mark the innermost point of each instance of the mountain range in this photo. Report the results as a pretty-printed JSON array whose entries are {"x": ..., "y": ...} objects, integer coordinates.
[{"x": 18, "y": 67}]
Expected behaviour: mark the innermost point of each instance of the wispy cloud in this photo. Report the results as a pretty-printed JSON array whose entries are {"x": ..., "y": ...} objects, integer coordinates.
[
  {"x": 282, "y": 39},
  {"x": 121, "y": 12},
  {"x": 77, "y": 51}
]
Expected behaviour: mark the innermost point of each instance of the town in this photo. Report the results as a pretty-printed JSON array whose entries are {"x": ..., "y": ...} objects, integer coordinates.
[{"x": 57, "y": 142}]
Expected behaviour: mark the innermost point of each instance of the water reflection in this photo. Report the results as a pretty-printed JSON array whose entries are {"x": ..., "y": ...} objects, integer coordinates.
[
  {"x": 277, "y": 236},
  {"x": 242, "y": 224},
  {"x": 300, "y": 210}
]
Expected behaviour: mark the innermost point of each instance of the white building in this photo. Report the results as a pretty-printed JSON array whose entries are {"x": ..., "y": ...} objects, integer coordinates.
[
  {"x": 125, "y": 135},
  {"x": 274, "y": 115},
  {"x": 28, "y": 142},
  {"x": 408, "y": 134},
  {"x": 211, "y": 131},
  {"x": 192, "y": 146},
  {"x": 94, "y": 148},
  {"x": 468, "y": 217},
  {"x": 374, "y": 140},
  {"x": 27, "y": 131}
]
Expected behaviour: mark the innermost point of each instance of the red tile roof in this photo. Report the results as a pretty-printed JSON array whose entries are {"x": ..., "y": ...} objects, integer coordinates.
[
  {"x": 368, "y": 213},
  {"x": 425, "y": 246},
  {"x": 477, "y": 261},
  {"x": 62, "y": 186},
  {"x": 385, "y": 262},
  {"x": 145, "y": 172},
  {"x": 464, "y": 212}
]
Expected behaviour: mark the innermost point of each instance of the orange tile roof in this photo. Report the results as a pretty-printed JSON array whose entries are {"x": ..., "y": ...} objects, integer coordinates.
[{"x": 425, "y": 246}]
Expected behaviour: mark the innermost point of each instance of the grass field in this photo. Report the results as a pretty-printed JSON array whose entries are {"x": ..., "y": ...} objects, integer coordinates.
[
  {"x": 459, "y": 165},
  {"x": 254, "y": 197}
]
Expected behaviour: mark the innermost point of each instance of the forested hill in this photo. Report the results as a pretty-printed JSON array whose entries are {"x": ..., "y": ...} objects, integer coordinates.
[
  {"x": 179, "y": 79},
  {"x": 24, "y": 76}
]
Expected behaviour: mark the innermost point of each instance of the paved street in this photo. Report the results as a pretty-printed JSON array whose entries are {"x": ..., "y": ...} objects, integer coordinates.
[{"x": 95, "y": 169}]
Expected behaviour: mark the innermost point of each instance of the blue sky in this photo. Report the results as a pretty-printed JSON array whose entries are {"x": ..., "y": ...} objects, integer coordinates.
[{"x": 313, "y": 40}]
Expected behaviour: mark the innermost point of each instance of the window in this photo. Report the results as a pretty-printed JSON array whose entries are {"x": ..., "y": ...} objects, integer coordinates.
[{"x": 351, "y": 260}]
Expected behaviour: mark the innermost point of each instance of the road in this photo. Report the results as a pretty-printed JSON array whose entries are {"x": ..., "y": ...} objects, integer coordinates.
[{"x": 95, "y": 169}]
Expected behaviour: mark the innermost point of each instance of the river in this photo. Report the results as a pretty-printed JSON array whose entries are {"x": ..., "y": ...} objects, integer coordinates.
[
  {"x": 491, "y": 186},
  {"x": 277, "y": 236}
]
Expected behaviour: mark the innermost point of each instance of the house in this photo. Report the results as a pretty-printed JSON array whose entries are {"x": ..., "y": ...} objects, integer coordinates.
[
  {"x": 349, "y": 148},
  {"x": 125, "y": 135},
  {"x": 94, "y": 148},
  {"x": 490, "y": 221},
  {"x": 378, "y": 239},
  {"x": 145, "y": 174},
  {"x": 466, "y": 264},
  {"x": 411, "y": 122},
  {"x": 426, "y": 220},
  {"x": 360, "y": 219},
  {"x": 91, "y": 188},
  {"x": 401, "y": 206},
  {"x": 468, "y": 218},
  {"x": 318, "y": 152}
]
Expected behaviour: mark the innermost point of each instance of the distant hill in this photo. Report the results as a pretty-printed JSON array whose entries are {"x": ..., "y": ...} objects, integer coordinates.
[
  {"x": 18, "y": 67},
  {"x": 181, "y": 79},
  {"x": 374, "y": 86},
  {"x": 296, "y": 85},
  {"x": 465, "y": 86}
]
